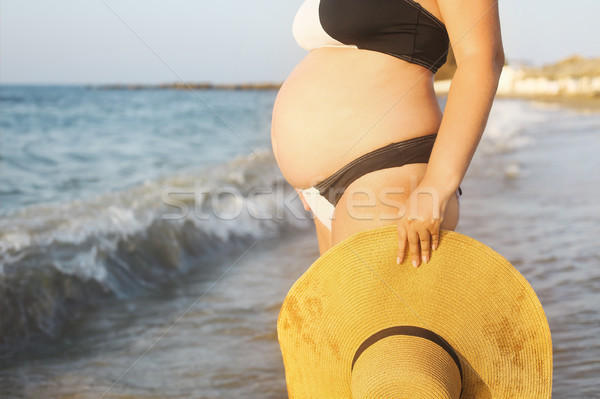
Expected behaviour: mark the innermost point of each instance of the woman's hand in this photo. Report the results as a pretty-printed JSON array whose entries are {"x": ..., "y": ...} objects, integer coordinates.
[{"x": 419, "y": 224}]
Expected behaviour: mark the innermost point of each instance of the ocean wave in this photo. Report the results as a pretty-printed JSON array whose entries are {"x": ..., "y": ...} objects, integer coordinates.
[
  {"x": 57, "y": 257},
  {"x": 509, "y": 126}
]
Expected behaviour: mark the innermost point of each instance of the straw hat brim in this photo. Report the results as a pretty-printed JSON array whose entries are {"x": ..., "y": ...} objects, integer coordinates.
[{"x": 467, "y": 293}]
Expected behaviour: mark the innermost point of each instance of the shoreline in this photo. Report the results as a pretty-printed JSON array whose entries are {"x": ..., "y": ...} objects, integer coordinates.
[
  {"x": 188, "y": 86},
  {"x": 573, "y": 82},
  {"x": 579, "y": 103}
]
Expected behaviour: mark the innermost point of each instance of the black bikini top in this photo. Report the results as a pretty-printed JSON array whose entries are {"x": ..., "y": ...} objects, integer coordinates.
[{"x": 401, "y": 28}]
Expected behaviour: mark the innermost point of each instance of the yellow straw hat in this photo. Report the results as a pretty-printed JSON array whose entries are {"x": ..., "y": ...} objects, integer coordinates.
[{"x": 466, "y": 324}]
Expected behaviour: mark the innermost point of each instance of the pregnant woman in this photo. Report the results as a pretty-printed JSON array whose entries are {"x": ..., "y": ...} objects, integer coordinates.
[{"x": 357, "y": 128}]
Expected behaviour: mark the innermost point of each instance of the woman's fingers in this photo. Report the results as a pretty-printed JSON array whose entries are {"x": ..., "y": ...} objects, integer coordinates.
[
  {"x": 411, "y": 237},
  {"x": 419, "y": 228},
  {"x": 402, "y": 244},
  {"x": 420, "y": 244},
  {"x": 425, "y": 244},
  {"x": 413, "y": 243},
  {"x": 435, "y": 239}
]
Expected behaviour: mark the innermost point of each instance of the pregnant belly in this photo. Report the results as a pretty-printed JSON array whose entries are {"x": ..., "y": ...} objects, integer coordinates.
[{"x": 341, "y": 103}]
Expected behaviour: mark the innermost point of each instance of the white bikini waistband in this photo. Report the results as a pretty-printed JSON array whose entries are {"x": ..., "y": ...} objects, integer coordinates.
[{"x": 320, "y": 207}]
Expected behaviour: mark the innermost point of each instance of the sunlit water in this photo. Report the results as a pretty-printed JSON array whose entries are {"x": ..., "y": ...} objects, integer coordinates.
[{"x": 109, "y": 291}]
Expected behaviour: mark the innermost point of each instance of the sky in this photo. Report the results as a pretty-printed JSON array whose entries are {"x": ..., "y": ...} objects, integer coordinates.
[{"x": 224, "y": 41}]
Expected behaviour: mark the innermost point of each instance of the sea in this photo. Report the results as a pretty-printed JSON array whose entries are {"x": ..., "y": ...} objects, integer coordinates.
[{"x": 148, "y": 238}]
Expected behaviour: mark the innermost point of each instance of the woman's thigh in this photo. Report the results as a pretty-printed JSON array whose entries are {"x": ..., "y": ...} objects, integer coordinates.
[
  {"x": 323, "y": 236},
  {"x": 375, "y": 200}
]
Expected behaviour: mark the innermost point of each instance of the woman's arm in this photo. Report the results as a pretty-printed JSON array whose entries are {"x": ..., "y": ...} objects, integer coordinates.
[{"x": 474, "y": 30}]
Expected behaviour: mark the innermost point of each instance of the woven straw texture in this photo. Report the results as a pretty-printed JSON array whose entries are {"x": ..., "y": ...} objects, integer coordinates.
[
  {"x": 394, "y": 368},
  {"x": 468, "y": 294}
]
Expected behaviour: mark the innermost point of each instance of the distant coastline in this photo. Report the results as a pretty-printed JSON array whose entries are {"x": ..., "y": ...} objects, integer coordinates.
[
  {"x": 188, "y": 86},
  {"x": 573, "y": 81}
]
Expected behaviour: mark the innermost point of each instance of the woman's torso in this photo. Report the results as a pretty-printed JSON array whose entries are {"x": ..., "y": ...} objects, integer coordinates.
[{"x": 340, "y": 103}]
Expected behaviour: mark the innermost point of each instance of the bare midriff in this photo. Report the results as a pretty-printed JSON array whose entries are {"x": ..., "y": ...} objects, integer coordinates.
[{"x": 340, "y": 103}]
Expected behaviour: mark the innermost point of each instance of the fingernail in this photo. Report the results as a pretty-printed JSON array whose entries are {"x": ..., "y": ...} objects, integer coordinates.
[
  {"x": 425, "y": 259},
  {"x": 433, "y": 246},
  {"x": 398, "y": 260},
  {"x": 415, "y": 263}
]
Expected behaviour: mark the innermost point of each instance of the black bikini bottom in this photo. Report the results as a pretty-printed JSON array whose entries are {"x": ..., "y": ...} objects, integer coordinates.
[{"x": 415, "y": 150}]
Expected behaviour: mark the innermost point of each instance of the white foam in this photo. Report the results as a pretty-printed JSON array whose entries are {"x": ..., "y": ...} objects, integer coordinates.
[
  {"x": 114, "y": 216},
  {"x": 509, "y": 125}
]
